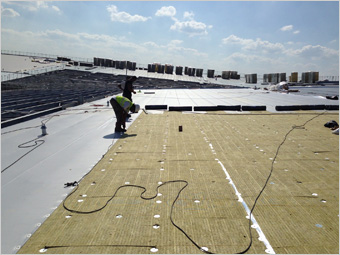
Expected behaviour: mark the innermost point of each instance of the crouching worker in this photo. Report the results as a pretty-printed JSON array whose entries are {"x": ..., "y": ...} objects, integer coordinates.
[{"x": 121, "y": 106}]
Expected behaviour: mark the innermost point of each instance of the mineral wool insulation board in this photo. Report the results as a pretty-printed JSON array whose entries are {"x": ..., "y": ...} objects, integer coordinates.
[
  {"x": 77, "y": 138},
  {"x": 221, "y": 162}
]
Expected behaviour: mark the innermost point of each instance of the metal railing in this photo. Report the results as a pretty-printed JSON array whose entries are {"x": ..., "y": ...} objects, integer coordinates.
[
  {"x": 330, "y": 78},
  {"x": 7, "y": 76},
  {"x": 43, "y": 55}
]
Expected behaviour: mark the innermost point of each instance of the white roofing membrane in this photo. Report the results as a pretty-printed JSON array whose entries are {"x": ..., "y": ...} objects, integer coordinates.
[{"x": 33, "y": 187}]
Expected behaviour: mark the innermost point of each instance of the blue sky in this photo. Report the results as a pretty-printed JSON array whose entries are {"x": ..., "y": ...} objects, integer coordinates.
[{"x": 244, "y": 36}]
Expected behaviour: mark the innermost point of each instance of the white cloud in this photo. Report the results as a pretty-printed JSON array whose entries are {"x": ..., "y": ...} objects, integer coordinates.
[
  {"x": 252, "y": 63},
  {"x": 124, "y": 17},
  {"x": 41, "y": 4},
  {"x": 175, "y": 42},
  {"x": 289, "y": 28},
  {"x": 78, "y": 45},
  {"x": 8, "y": 12},
  {"x": 168, "y": 11},
  {"x": 255, "y": 55},
  {"x": 81, "y": 44},
  {"x": 191, "y": 27},
  {"x": 56, "y": 8},
  {"x": 262, "y": 51},
  {"x": 286, "y": 28},
  {"x": 254, "y": 45},
  {"x": 188, "y": 15},
  {"x": 317, "y": 51},
  {"x": 151, "y": 44},
  {"x": 248, "y": 58},
  {"x": 59, "y": 35},
  {"x": 52, "y": 35},
  {"x": 236, "y": 40},
  {"x": 33, "y": 6},
  {"x": 174, "y": 48}
]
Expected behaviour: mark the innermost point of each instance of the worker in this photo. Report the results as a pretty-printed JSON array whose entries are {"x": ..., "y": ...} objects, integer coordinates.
[
  {"x": 128, "y": 88},
  {"x": 121, "y": 106}
]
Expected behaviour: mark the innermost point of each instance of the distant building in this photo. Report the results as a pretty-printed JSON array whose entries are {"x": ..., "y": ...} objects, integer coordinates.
[
  {"x": 230, "y": 75},
  {"x": 309, "y": 77},
  {"x": 274, "y": 77},
  {"x": 251, "y": 78},
  {"x": 293, "y": 77}
]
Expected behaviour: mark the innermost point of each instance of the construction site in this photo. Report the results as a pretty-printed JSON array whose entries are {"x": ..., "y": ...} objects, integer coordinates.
[{"x": 203, "y": 167}]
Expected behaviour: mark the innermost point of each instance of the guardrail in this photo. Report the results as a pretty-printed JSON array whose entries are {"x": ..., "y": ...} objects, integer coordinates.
[
  {"x": 7, "y": 76},
  {"x": 43, "y": 55}
]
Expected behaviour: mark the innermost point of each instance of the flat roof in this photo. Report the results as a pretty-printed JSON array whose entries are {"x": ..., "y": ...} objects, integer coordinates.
[
  {"x": 81, "y": 140},
  {"x": 201, "y": 183}
]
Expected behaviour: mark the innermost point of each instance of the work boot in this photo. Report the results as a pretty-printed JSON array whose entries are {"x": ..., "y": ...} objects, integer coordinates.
[{"x": 119, "y": 130}]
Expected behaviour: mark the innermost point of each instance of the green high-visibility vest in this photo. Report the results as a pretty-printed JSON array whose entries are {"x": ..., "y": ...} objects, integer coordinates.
[{"x": 125, "y": 103}]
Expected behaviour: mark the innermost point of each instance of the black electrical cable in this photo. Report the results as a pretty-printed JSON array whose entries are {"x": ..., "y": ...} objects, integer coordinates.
[
  {"x": 145, "y": 198},
  {"x": 36, "y": 141},
  {"x": 19, "y": 129},
  {"x": 36, "y": 144},
  {"x": 270, "y": 173},
  {"x": 44, "y": 121}
]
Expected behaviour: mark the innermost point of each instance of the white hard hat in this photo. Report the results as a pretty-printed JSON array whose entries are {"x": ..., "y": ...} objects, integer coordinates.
[{"x": 137, "y": 107}]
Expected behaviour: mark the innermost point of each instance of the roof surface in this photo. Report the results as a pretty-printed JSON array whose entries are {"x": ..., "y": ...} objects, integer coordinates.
[
  {"x": 202, "y": 182},
  {"x": 78, "y": 137}
]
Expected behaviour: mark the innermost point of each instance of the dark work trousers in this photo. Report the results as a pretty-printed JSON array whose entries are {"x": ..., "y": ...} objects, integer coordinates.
[
  {"x": 127, "y": 93},
  {"x": 119, "y": 113}
]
